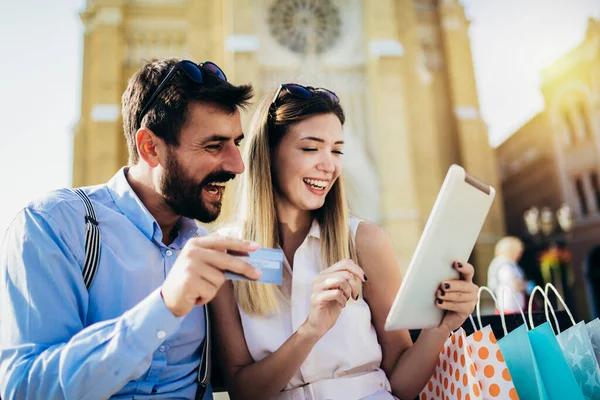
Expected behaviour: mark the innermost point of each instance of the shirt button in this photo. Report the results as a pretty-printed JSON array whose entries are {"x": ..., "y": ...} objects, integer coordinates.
[
  {"x": 161, "y": 349},
  {"x": 161, "y": 334},
  {"x": 169, "y": 253}
]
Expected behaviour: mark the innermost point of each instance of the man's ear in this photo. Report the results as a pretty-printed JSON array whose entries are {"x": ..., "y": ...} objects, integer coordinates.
[{"x": 149, "y": 146}]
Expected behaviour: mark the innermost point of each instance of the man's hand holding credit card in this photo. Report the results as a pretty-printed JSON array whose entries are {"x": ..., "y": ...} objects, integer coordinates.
[{"x": 268, "y": 261}]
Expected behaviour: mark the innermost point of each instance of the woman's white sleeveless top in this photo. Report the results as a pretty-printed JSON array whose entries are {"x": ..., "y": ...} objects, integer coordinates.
[{"x": 345, "y": 362}]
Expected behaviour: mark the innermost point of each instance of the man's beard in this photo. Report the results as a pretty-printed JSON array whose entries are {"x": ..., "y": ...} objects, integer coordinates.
[{"x": 184, "y": 196}]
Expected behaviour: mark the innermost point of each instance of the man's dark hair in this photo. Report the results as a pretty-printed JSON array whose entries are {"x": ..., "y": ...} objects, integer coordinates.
[{"x": 169, "y": 112}]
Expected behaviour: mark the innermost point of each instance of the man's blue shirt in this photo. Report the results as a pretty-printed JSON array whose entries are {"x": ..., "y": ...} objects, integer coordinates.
[{"x": 119, "y": 340}]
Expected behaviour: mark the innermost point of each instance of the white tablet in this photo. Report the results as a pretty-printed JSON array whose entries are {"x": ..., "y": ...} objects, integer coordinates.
[{"x": 450, "y": 234}]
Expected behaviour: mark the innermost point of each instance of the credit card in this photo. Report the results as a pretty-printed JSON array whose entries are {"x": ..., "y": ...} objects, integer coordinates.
[{"x": 268, "y": 261}]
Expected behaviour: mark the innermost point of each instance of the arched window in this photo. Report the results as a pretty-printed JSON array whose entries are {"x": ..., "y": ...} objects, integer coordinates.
[
  {"x": 570, "y": 127},
  {"x": 596, "y": 189},
  {"x": 581, "y": 196},
  {"x": 585, "y": 120}
]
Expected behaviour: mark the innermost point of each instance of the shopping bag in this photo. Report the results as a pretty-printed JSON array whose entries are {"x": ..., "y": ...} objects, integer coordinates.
[
  {"x": 471, "y": 368},
  {"x": 593, "y": 328},
  {"x": 492, "y": 371},
  {"x": 518, "y": 355},
  {"x": 577, "y": 348},
  {"x": 557, "y": 378},
  {"x": 455, "y": 375}
]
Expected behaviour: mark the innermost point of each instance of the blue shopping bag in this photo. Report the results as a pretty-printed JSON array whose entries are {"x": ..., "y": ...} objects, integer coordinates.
[
  {"x": 556, "y": 375},
  {"x": 557, "y": 378},
  {"x": 576, "y": 345},
  {"x": 593, "y": 328},
  {"x": 522, "y": 364}
]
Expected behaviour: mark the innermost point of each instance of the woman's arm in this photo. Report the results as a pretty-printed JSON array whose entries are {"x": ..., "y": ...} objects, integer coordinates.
[
  {"x": 247, "y": 379},
  {"x": 408, "y": 366}
]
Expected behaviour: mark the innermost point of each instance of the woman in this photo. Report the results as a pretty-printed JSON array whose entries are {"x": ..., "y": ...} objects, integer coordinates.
[
  {"x": 505, "y": 272},
  {"x": 321, "y": 334}
]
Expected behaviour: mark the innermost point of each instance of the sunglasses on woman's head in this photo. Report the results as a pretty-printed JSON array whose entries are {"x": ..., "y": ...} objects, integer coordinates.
[
  {"x": 192, "y": 70},
  {"x": 304, "y": 92}
]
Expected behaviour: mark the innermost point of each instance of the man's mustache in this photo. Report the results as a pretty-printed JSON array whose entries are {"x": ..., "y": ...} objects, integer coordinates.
[{"x": 219, "y": 176}]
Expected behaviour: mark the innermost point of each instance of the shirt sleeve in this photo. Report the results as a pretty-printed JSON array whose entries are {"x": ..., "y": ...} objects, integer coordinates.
[{"x": 46, "y": 352}]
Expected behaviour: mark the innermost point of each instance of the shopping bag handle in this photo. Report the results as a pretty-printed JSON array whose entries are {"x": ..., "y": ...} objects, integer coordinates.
[
  {"x": 539, "y": 289},
  {"x": 478, "y": 308},
  {"x": 512, "y": 293},
  {"x": 473, "y": 323},
  {"x": 560, "y": 298}
]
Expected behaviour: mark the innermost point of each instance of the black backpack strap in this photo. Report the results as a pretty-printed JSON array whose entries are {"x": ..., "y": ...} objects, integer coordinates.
[
  {"x": 205, "y": 364},
  {"x": 205, "y": 369},
  {"x": 92, "y": 240}
]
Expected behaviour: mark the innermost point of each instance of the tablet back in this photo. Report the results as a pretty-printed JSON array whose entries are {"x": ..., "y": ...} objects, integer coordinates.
[{"x": 450, "y": 234}]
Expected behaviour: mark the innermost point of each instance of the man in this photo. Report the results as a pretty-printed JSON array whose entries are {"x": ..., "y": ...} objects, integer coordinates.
[{"x": 137, "y": 330}]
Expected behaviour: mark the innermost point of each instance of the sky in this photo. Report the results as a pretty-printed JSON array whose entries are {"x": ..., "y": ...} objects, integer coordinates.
[{"x": 41, "y": 57}]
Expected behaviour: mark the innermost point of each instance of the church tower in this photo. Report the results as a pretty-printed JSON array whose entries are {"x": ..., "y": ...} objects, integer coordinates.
[{"x": 402, "y": 69}]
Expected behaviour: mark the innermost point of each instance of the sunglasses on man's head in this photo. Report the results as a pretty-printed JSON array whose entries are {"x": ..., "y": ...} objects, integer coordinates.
[
  {"x": 192, "y": 70},
  {"x": 304, "y": 92}
]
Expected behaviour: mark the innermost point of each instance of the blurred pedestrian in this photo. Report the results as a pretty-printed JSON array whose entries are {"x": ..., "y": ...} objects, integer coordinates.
[{"x": 504, "y": 271}]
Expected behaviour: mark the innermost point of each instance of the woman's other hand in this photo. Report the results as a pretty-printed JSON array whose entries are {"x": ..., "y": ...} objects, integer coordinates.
[
  {"x": 331, "y": 289},
  {"x": 457, "y": 297}
]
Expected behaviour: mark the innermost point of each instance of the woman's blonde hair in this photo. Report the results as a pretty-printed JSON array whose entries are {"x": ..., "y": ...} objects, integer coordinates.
[
  {"x": 509, "y": 246},
  {"x": 258, "y": 214}
]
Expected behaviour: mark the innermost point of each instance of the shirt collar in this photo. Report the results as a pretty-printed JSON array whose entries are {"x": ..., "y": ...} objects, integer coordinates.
[
  {"x": 315, "y": 230},
  {"x": 187, "y": 229},
  {"x": 132, "y": 207}
]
